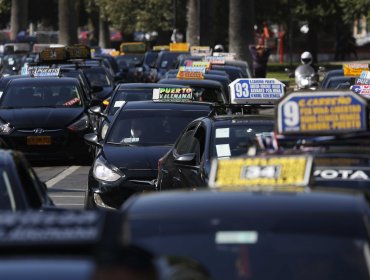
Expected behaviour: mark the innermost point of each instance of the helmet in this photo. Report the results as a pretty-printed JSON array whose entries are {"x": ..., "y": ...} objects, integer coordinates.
[
  {"x": 218, "y": 48},
  {"x": 306, "y": 58}
]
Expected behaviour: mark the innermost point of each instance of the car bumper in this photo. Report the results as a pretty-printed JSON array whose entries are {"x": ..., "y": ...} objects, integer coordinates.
[
  {"x": 61, "y": 144},
  {"x": 112, "y": 195}
]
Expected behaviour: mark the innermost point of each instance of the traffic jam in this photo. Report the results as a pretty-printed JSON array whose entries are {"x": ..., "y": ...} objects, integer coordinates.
[{"x": 194, "y": 168}]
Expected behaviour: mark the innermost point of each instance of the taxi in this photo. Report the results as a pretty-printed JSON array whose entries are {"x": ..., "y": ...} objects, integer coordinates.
[
  {"x": 140, "y": 133},
  {"x": 257, "y": 210},
  {"x": 187, "y": 165},
  {"x": 122, "y": 94},
  {"x": 45, "y": 117}
]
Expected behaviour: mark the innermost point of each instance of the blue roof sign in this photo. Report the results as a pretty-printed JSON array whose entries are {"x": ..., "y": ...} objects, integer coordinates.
[
  {"x": 256, "y": 91},
  {"x": 322, "y": 113}
]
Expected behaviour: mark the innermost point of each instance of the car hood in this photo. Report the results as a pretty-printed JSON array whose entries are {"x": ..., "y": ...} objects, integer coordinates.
[
  {"x": 40, "y": 117},
  {"x": 134, "y": 157}
]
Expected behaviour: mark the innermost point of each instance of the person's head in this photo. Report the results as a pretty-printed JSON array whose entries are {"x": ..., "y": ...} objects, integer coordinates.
[
  {"x": 260, "y": 48},
  {"x": 306, "y": 58},
  {"x": 218, "y": 48},
  {"x": 136, "y": 128}
]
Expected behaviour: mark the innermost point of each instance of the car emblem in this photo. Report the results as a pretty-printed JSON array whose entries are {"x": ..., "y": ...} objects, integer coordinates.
[{"x": 38, "y": 130}]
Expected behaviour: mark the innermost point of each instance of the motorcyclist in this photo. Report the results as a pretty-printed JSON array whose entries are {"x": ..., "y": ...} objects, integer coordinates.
[
  {"x": 306, "y": 74},
  {"x": 218, "y": 48}
]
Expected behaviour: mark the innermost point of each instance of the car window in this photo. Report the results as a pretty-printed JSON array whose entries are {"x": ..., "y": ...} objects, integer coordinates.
[
  {"x": 7, "y": 196},
  {"x": 149, "y": 127},
  {"x": 186, "y": 142},
  {"x": 19, "y": 96},
  {"x": 235, "y": 140}
]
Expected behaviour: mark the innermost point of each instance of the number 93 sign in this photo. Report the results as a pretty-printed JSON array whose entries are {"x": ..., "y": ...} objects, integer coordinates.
[{"x": 248, "y": 91}]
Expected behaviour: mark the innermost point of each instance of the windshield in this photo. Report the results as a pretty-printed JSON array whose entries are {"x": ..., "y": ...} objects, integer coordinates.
[
  {"x": 129, "y": 95},
  {"x": 168, "y": 60},
  {"x": 146, "y": 128},
  {"x": 42, "y": 95},
  {"x": 97, "y": 77},
  {"x": 234, "y": 140},
  {"x": 250, "y": 255}
]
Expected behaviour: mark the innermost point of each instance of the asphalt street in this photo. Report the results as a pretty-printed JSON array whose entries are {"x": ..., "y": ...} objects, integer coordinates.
[{"x": 66, "y": 184}]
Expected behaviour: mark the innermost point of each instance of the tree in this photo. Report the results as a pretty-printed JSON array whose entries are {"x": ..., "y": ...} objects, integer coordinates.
[
  {"x": 241, "y": 33},
  {"x": 19, "y": 17},
  {"x": 193, "y": 23},
  {"x": 67, "y": 18}
]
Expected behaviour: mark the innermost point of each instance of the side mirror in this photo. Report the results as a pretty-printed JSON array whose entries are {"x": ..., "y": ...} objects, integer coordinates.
[
  {"x": 186, "y": 159},
  {"x": 92, "y": 139}
]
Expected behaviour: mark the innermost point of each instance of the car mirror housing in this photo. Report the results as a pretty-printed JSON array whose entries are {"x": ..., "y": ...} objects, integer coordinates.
[{"x": 186, "y": 159}]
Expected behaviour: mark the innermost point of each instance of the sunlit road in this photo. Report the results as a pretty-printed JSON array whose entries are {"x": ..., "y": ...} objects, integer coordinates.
[{"x": 66, "y": 184}]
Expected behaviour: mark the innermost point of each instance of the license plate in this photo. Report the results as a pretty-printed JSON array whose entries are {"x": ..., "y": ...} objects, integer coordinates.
[{"x": 38, "y": 140}]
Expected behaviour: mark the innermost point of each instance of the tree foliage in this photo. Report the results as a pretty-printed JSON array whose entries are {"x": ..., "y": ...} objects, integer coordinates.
[{"x": 138, "y": 15}]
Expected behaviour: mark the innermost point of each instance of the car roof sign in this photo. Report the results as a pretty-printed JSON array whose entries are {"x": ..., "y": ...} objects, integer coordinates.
[
  {"x": 256, "y": 91},
  {"x": 205, "y": 64},
  {"x": 190, "y": 75},
  {"x": 179, "y": 47},
  {"x": 201, "y": 69},
  {"x": 261, "y": 171},
  {"x": 200, "y": 50},
  {"x": 173, "y": 94},
  {"x": 322, "y": 113},
  {"x": 355, "y": 69},
  {"x": 78, "y": 52},
  {"x": 41, "y": 71},
  {"x": 133, "y": 47},
  {"x": 53, "y": 54},
  {"x": 161, "y": 48},
  {"x": 363, "y": 90}
]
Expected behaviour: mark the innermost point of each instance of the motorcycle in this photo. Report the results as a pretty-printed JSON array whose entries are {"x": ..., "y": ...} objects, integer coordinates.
[{"x": 306, "y": 77}]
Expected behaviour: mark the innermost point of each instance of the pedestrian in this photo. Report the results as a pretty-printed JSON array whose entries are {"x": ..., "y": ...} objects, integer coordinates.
[{"x": 260, "y": 55}]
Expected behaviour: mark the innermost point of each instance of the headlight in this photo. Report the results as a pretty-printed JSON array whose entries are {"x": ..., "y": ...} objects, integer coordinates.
[
  {"x": 103, "y": 172},
  {"x": 104, "y": 130},
  {"x": 5, "y": 128},
  {"x": 81, "y": 124},
  {"x": 304, "y": 82}
]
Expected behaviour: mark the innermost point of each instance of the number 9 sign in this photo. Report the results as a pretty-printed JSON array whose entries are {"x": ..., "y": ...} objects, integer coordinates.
[
  {"x": 288, "y": 116},
  {"x": 241, "y": 90}
]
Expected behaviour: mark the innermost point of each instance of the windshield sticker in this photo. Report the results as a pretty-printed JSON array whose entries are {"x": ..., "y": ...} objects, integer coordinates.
[
  {"x": 222, "y": 133},
  {"x": 236, "y": 237},
  {"x": 131, "y": 140},
  {"x": 223, "y": 150},
  {"x": 72, "y": 102},
  {"x": 119, "y": 103}
]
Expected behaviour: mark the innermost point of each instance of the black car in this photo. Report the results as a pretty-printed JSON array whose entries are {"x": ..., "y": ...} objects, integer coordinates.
[
  {"x": 187, "y": 165},
  {"x": 141, "y": 132},
  {"x": 256, "y": 235},
  {"x": 122, "y": 94},
  {"x": 46, "y": 118},
  {"x": 21, "y": 189}
]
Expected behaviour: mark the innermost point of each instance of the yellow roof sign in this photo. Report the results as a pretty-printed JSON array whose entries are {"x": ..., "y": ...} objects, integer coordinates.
[
  {"x": 53, "y": 54},
  {"x": 261, "y": 171},
  {"x": 355, "y": 69},
  {"x": 190, "y": 75},
  {"x": 78, "y": 52},
  {"x": 133, "y": 47},
  {"x": 179, "y": 47}
]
